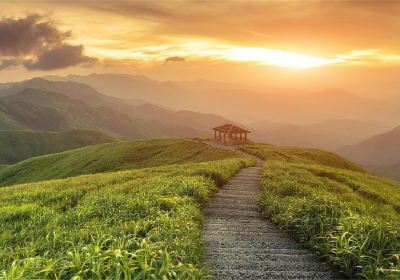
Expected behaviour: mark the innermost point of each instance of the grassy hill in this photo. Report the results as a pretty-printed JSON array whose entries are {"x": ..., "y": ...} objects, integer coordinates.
[
  {"x": 349, "y": 216},
  {"x": 111, "y": 157},
  {"x": 19, "y": 145},
  {"x": 6, "y": 123},
  {"x": 134, "y": 208},
  {"x": 136, "y": 224}
]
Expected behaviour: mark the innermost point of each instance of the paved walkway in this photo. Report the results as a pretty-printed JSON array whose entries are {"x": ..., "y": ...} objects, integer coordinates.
[{"x": 242, "y": 244}]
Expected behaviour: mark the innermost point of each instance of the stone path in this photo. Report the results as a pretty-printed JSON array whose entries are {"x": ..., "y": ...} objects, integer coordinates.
[{"x": 242, "y": 244}]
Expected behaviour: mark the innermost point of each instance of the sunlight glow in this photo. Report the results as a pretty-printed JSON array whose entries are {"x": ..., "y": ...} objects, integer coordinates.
[
  {"x": 214, "y": 51},
  {"x": 277, "y": 57}
]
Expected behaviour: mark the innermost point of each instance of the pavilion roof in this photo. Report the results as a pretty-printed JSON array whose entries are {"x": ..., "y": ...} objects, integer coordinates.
[{"x": 231, "y": 128}]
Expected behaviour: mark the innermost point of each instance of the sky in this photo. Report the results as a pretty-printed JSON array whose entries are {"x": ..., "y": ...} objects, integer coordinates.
[{"x": 308, "y": 45}]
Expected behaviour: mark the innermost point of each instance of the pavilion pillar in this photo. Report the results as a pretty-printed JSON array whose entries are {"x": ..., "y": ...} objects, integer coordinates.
[
  {"x": 240, "y": 138},
  {"x": 245, "y": 137},
  {"x": 215, "y": 135}
]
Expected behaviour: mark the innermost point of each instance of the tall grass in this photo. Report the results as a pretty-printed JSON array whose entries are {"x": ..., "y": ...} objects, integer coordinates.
[
  {"x": 350, "y": 217},
  {"x": 141, "y": 224},
  {"x": 133, "y": 224}
]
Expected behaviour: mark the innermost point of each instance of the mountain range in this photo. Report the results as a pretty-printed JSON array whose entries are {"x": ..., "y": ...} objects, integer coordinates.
[
  {"x": 39, "y": 104},
  {"x": 244, "y": 104}
]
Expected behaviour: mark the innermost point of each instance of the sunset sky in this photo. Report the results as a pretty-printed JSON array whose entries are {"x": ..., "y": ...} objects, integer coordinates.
[{"x": 287, "y": 44}]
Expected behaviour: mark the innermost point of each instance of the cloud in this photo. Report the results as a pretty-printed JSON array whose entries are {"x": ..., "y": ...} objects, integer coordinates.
[
  {"x": 174, "y": 59},
  {"x": 35, "y": 42},
  {"x": 59, "y": 57},
  {"x": 6, "y": 63}
]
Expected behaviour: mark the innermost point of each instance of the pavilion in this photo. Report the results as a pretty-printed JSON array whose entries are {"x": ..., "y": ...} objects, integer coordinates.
[{"x": 230, "y": 134}]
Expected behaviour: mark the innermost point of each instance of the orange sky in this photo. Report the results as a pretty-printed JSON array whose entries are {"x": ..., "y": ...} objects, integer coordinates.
[{"x": 288, "y": 44}]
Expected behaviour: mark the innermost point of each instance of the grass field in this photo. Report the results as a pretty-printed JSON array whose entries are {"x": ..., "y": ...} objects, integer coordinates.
[
  {"x": 141, "y": 223},
  {"x": 347, "y": 215},
  {"x": 111, "y": 157},
  {"x": 16, "y": 146}
]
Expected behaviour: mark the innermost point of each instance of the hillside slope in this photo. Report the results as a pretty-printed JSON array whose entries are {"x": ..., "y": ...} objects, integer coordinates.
[
  {"x": 111, "y": 157},
  {"x": 389, "y": 171},
  {"x": 381, "y": 149},
  {"x": 380, "y": 153},
  {"x": 35, "y": 109},
  {"x": 19, "y": 145}
]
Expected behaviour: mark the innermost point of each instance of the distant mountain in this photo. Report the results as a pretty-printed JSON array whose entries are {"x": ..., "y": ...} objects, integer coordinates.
[
  {"x": 380, "y": 153},
  {"x": 381, "y": 149},
  {"x": 243, "y": 104},
  {"x": 39, "y": 104},
  {"x": 329, "y": 134},
  {"x": 133, "y": 87},
  {"x": 16, "y": 146},
  {"x": 390, "y": 171}
]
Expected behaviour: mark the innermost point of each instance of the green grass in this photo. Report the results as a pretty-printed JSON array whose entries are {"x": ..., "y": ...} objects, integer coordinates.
[
  {"x": 111, "y": 157},
  {"x": 16, "y": 146},
  {"x": 349, "y": 216},
  {"x": 135, "y": 224}
]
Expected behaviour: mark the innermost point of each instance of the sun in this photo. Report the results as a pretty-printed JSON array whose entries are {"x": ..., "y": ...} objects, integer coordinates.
[{"x": 277, "y": 57}]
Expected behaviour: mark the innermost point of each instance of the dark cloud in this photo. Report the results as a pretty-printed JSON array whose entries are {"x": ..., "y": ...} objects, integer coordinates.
[
  {"x": 28, "y": 35},
  {"x": 35, "y": 42},
  {"x": 174, "y": 59},
  {"x": 59, "y": 57}
]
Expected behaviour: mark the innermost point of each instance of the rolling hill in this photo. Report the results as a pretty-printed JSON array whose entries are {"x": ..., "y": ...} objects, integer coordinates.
[
  {"x": 145, "y": 221},
  {"x": 111, "y": 157},
  {"x": 144, "y": 198},
  {"x": 19, "y": 145},
  {"x": 380, "y": 153}
]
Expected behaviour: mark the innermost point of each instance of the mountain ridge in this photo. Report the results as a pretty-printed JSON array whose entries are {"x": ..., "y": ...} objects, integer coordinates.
[
  {"x": 291, "y": 106},
  {"x": 94, "y": 110}
]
